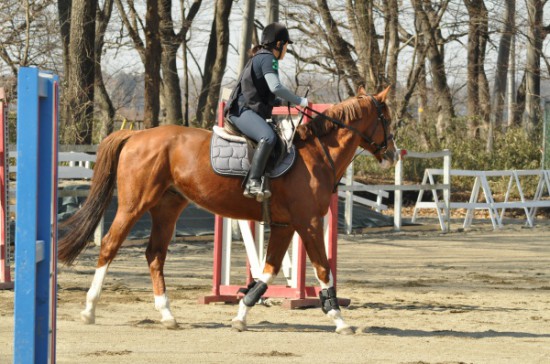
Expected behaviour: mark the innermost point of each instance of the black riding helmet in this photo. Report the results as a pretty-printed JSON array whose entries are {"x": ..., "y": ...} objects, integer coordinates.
[{"x": 275, "y": 32}]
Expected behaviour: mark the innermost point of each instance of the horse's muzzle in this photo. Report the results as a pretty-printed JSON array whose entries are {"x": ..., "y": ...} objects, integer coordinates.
[{"x": 389, "y": 158}]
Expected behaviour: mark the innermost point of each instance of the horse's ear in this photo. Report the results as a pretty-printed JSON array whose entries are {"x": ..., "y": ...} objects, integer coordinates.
[
  {"x": 383, "y": 95},
  {"x": 361, "y": 91}
]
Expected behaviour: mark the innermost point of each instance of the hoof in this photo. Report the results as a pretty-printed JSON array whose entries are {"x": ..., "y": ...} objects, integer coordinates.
[
  {"x": 87, "y": 317},
  {"x": 238, "y": 325},
  {"x": 346, "y": 330},
  {"x": 170, "y": 323}
]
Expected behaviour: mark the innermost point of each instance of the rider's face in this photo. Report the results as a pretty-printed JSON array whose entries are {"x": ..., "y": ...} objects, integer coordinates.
[{"x": 283, "y": 51}]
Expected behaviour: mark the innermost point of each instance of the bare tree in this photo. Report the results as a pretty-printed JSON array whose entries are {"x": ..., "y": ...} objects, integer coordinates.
[
  {"x": 532, "y": 112},
  {"x": 171, "y": 41},
  {"x": 214, "y": 65},
  {"x": 81, "y": 72},
  {"x": 361, "y": 18},
  {"x": 153, "y": 51},
  {"x": 427, "y": 17},
  {"x": 340, "y": 48},
  {"x": 272, "y": 11},
  {"x": 28, "y": 34},
  {"x": 64, "y": 15},
  {"x": 103, "y": 101},
  {"x": 498, "y": 98},
  {"x": 246, "y": 32},
  {"x": 477, "y": 43},
  {"x": 149, "y": 52},
  {"x": 391, "y": 37}
]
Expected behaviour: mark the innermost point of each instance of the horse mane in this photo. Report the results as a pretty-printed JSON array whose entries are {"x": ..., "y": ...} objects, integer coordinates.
[{"x": 345, "y": 111}]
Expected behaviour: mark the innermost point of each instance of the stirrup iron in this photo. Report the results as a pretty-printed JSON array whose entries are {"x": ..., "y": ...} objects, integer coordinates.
[{"x": 257, "y": 189}]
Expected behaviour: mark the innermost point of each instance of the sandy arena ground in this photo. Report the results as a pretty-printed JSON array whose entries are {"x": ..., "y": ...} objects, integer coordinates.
[{"x": 416, "y": 297}]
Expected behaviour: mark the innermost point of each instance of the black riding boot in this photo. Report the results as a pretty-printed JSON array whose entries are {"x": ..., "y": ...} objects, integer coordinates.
[{"x": 254, "y": 183}]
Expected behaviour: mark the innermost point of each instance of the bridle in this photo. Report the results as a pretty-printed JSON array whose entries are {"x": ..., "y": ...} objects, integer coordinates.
[
  {"x": 381, "y": 118},
  {"x": 378, "y": 148}
]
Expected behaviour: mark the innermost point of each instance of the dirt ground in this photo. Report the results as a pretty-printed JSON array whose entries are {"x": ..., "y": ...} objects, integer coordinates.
[{"x": 416, "y": 297}]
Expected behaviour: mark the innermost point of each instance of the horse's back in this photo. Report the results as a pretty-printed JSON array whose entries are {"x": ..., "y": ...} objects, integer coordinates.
[
  {"x": 158, "y": 150},
  {"x": 165, "y": 138}
]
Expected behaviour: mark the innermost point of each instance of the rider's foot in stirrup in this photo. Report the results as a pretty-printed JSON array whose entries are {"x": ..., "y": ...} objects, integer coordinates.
[{"x": 253, "y": 189}]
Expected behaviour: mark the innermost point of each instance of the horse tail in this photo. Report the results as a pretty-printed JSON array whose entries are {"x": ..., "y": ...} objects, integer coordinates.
[{"x": 79, "y": 228}]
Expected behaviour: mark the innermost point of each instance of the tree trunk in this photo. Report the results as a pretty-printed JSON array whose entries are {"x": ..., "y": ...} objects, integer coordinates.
[
  {"x": 498, "y": 99},
  {"x": 103, "y": 101},
  {"x": 214, "y": 65},
  {"x": 246, "y": 32},
  {"x": 370, "y": 60},
  {"x": 392, "y": 36},
  {"x": 511, "y": 87},
  {"x": 172, "y": 90},
  {"x": 376, "y": 70},
  {"x": 171, "y": 80},
  {"x": 80, "y": 85},
  {"x": 477, "y": 40},
  {"x": 501, "y": 73},
  {"x": 520, "y": 100},
  {"x": 185, "y": 83},
  {"x": 64, "y": 14},
  {"x": 342, "y": 55},
  {"x": 532, "y": 112},
  {"x": 415, "y": 80},
  {"x": 207, "y": 73},
  {"x": 439, "y": 77},
  {"x": 361, "y": 19},
  {"x": 272, "y": 14},
  {"x": 153, "y": 51}
]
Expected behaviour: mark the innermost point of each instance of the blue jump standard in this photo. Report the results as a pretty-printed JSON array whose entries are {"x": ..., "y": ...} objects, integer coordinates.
[{"x": 35, "y": 230}]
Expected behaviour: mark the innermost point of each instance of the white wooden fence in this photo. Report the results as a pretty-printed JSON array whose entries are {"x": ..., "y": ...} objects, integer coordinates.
[
  {"x": 381, "y": 191},
  {"x": 482, "y": 195},
  {"x": 72, "y": 166}
]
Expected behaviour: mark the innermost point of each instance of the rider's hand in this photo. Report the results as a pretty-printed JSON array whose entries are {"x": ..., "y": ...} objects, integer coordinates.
[{"x": 304, "y": 102}]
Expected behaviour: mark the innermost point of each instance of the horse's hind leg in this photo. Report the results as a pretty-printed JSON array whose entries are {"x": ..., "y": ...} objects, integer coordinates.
[
  {"x": 279, "y": 241},
  {"x": 110, "y": 244},
  {"x": 164, "y": 216}
]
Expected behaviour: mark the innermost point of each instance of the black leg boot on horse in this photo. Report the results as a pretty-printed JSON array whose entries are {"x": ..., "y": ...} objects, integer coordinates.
[{"x": 253, "y": 188}]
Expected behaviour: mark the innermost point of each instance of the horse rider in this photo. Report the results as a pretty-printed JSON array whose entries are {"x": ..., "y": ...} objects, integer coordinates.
[{"x": 260, "y": 89}]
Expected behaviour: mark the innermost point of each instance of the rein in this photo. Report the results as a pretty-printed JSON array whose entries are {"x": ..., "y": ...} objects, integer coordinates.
[{"x": 378, "y": 147}]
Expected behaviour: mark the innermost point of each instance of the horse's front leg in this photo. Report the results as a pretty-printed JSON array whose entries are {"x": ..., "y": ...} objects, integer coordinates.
[
  {"x": 279, "y": 241},
  {"x": 312, "y": 237}
]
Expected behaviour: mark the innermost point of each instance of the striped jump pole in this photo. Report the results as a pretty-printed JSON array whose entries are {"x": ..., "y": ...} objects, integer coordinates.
[{"x": 36, "y": 211}]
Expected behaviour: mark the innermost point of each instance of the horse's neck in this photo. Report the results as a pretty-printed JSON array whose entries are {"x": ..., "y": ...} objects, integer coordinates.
[{"x": 341, "y": 145}]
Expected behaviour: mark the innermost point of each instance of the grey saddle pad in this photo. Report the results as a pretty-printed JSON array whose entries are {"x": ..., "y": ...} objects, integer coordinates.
[{"x": 229, "y": 156}]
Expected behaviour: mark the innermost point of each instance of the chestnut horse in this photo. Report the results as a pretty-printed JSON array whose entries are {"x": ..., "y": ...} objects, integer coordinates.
[{"x": 162, "y": 169}]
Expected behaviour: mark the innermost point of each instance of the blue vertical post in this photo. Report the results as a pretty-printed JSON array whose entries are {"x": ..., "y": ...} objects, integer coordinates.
[{"x": 35, "y": 230}]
